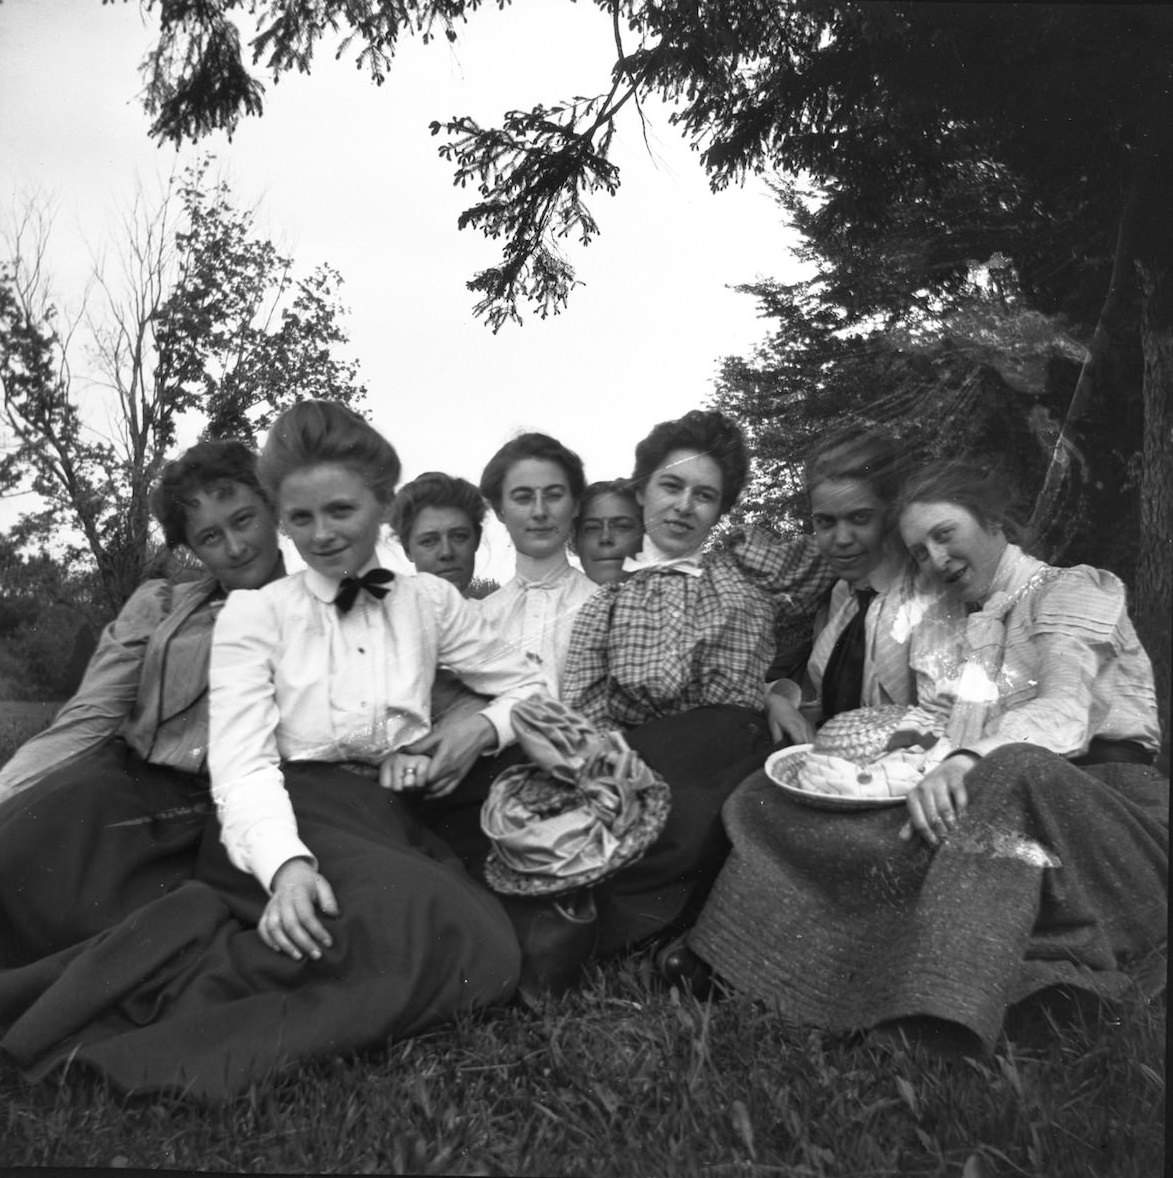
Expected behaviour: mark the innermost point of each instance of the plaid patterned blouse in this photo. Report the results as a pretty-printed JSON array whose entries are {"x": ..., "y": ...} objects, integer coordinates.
[{"x": 663, "y": 642}]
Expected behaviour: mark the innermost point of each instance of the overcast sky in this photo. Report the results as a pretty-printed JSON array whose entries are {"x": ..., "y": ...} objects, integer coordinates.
[{"x": 346, "y": 172}]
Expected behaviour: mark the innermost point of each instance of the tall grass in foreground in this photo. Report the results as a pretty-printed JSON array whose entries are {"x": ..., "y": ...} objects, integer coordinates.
[{"x": 626, "y": 1079}]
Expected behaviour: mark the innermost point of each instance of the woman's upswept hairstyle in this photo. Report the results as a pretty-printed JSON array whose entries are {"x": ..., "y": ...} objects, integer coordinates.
[
  {"x": 311, "y": 433},
  {"x": 861, "y": 454},
  {"x": 983, "y": 489},
  {"x": 706, "y": 431},
  {"x": 435, "y": 489},
  {"x": 532, "y": 445},
  {"x": 209, "y": 467}
]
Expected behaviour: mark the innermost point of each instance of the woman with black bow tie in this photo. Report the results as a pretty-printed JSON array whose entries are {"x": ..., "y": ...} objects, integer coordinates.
[{"x": 323, "y": 917}]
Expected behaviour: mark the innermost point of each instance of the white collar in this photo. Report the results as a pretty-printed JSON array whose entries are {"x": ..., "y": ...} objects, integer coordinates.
[
  {"x": 324, "y": 588},
  {"x": 651, "y": 556},
  {"x": 532, "y": 571},
  {"x": 886, "y": 574}
]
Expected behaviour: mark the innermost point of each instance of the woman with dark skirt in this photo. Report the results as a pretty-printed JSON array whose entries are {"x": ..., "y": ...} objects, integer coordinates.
[
  {"x": 103, "y": 811},
  {"x": 675, "y": 656},
  {"x": 322, "y": 918},
  {"x": 1033, "y": 857}
]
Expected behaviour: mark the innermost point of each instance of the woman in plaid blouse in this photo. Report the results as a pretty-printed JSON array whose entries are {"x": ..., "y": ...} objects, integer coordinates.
[{"x": 676, "y": 656}]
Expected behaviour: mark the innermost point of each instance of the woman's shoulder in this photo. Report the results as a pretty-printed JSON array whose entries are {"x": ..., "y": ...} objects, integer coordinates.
[
  {"x": 579, "y": 587},
  {"x": 276, "y": 597},
  {"x": 761, "y": 552},
  {"x": 147, "y": 606},
  {"x": 157, "y": 593},
  {"x": 1080, "y": 599},
  {"x": 430, "y": 589}
]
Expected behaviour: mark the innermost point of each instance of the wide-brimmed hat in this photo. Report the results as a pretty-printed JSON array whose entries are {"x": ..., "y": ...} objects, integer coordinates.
[
  {"x": 859, "y": 759},
  {"x": 585, "y": 807}
]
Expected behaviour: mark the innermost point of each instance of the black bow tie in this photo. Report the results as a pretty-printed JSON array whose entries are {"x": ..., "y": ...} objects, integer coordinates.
[{"x": 374, "y": 582}]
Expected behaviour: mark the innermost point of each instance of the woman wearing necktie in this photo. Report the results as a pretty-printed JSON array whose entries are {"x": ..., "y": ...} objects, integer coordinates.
[
  {"x": 860, "y": 655},
  {"x": 1031, "y": 863},
  {"x": 103, "y": 811},
  {"x": 322, "y": 917}
]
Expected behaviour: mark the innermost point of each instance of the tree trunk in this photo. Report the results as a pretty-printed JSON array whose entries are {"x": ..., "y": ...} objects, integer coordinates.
[
  {"x": 1154, "y": 270},
  {"x": 1154, "y": 580},
  {"x": 1062, "y": 501}
]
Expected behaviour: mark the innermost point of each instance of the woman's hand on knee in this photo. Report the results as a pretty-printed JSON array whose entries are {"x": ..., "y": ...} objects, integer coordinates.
[
  {"x": 938, "y": 801},
  {"x": 290, "y": 922},
  {"x": 403, "y": 771}
]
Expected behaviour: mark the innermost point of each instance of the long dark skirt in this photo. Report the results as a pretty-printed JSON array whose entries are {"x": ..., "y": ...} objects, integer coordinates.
[
  {"x": 703, "y": 755},
  {"x": 1055, "y": 876},
  {"x": 183, "y": 994},
  {"x": 92, "y": 842}
]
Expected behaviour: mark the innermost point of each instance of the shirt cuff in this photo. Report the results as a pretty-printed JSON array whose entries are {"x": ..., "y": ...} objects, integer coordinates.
[
  {"x": 266, "y": 860},
  {"x": 498, "y": 713},
  {"x": 962, "y": 753}
]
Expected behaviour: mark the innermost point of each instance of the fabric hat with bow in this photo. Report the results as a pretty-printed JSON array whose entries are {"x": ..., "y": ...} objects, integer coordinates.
[{"x": 586, "y": 806}]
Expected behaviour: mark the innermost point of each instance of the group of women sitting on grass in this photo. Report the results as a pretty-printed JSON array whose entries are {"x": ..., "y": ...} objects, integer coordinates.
[{"x": 255, "y": 834}]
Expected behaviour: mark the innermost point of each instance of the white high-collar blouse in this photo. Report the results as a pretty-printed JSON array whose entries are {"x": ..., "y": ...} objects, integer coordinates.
[{"x": 292, "y": 678}]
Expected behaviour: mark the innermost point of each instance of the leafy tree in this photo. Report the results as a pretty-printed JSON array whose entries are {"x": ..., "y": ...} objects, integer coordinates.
[
  {"x": 974, "y": 372},
  {"x": 204, "y": 319},
  {"x": 1044, "y": 132}
]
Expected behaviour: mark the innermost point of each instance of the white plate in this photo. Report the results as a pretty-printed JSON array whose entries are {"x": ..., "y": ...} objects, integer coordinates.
[{"x": 820, "y": 801}]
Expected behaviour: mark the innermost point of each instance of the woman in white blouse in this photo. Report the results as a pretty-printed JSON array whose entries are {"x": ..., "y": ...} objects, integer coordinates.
[
  {"x": 1032, "y": 860},
  {"x": 534, "y": 485},
  {"x": 322, "y": 918}
]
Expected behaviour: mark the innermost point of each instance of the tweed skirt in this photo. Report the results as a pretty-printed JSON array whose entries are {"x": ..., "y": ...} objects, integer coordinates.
[{"x": 1055, "y": 876}]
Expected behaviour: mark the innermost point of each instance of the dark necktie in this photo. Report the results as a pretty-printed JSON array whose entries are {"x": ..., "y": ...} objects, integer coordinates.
[
  {"x": 375, "y": 582},
  {"x": 843, "y": 678}
]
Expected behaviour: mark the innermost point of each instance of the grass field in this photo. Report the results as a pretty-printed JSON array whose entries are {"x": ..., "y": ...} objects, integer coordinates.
[{"x": 625, "y": 1078}]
